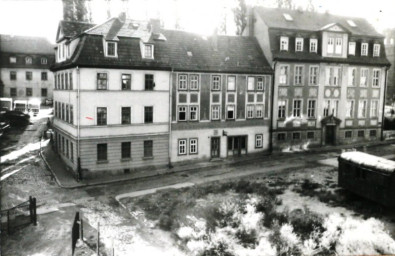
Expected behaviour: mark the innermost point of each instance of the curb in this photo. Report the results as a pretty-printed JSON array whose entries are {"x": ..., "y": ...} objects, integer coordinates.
[{"x": 50, "y": 169}]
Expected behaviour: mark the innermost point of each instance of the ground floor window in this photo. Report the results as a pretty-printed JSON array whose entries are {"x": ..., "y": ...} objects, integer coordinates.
[
  {"x": 296, "y": 136},
  {"x": 67, "y": 148},
  {"x": 258, "y": 141},
  {"x": 372, "y": 133},
  {"x": 361, "y": 134},
  {"x": 126, "y": 150},
  {"x": 102, "y": 152},
  {"x": 281, "y": 136},
  {"x": 193, "y": 146},
  {"x": 182, "y": 147},
  {"x": 71, "y": 152},
  {"x": 237, "y": 145},
  {"x": 311, "y": 135},
  {"x": 348, "y": 134},
  {"x": 148, "y": 146}
]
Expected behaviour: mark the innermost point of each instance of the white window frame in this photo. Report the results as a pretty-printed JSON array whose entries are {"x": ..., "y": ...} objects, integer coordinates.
[
  {"x": 350, "y": 108},
  {"x": 335, "y": 107},
  {"x": 182, "y": 146},
  {"x": 283, "y": 77},
  {"x": 250, "y": 83},
  {"x": 330, "y": 45},
  {"x": 352, "y": 76},
  {"x": 259, "y": 110},
  {"x": 299, "y": 44},
  {"x": 44, "y": 61},
  {"x": 215, "y": 84},
  {"x": 229, "y": 82},
  {"x": 151, "y": 55},
  {"x": 362, "y": 108},
  {"x": 182, "y": 82},
  {"x": 313, "y": 45},
  {"x": 185, "y": 109},
  {"x": 12, "y": 59},
  {"x": 234, "y": 111},
  {"x": 215, "y": 109},
  {"x": 298, "y": 75},
  {"x": 250, "y": 109},
  {"x": 193, "y": 142},
  {"x": 115, "y": 49},
  {"x": 311, "y": 111},
  {"x": 260, "y": 83},
  {"x": 376, "y": 50},
  {"x": 284, "y": 43},
  {"x": 194, "y": 82},
  {"x": 338, "y": 45},
  {"x": 282, "y": 109},
  {"x": 376, "y": 77},
  {"x": 295, "y": 110},
  {"x": 364, "y": 49},
  {"x": 29, "y": 60},
  {"x": 373, "y": 110},
  {"x": 194, "y": 109},
  {"x": 351, "y": 48},
  {"x": 313, "y": 74},
  {"x": 258, "y": 140},
  {"x": 326, "y": 107},
  {"x": 364, "y": 79}
]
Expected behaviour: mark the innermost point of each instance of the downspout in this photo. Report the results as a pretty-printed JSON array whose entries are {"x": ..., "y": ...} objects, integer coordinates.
[
  {"x": 170, "y": 113},
  {"x": 79, "y": 171},
  {"x": 383, "y": 110},
  {"x": 272, "y": 110}
]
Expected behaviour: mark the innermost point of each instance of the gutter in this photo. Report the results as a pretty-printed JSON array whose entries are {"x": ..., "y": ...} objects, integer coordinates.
[
  {"x": 272, "y": 110},
  {"x": 78, "y": 124},
  {"x": 170, "y": 113},
  {"x": 383, "y": 110}
]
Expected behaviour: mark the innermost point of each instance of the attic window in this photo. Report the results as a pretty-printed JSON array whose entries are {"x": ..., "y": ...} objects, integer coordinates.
[
  {"x": 148, "y": 51},
  {"x": 28, "y": 60},
  {"x": 189, "y": 53},
  {"x": 111, "y": 49},
  {"x": 351, "y": 23},
  {"x": 287, "y": 17},
  {"x": 12, "y": 59},
  {"x": 44, "y": 61}
]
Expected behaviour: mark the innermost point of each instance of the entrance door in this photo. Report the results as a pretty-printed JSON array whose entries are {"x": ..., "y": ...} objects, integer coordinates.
[
  {"x": 215, "y": 146},
  {"x": 330, "y": 135}
]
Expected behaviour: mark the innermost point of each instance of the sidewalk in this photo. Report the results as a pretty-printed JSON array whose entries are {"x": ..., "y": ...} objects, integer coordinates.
[{"x": 65, "y": 179}]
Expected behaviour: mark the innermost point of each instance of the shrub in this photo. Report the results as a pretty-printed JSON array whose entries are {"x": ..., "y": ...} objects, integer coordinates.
[
  {"x": 247, "y": 238},
  {"x": 220, "y": 249},
  {"x": 305, "y": 222}
]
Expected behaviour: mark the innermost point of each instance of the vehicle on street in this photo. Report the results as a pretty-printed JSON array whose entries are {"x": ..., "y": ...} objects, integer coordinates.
[
  {"x": 49, "y": 102},
  {"x": 6, "y": 104},
  {"x": 34, "y": 106},
  {"x": 15, "y": 118},
  {"x": 21, "y": 105}
]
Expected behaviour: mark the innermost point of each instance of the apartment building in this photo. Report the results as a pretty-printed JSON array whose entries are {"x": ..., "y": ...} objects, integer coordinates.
[
  {"x": 24, "y": 68},
  {"x": 220, "y": 96},
  {"x": 389, "y": 43},
  {"x": 111, "y": 97},
  {"x": 330, "y": 76}
]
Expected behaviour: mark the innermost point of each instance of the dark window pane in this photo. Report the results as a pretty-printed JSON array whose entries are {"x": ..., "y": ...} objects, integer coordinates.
[
  {"x": 111, "y": 49},
  {"x": 182, "y": 98},
  {"x": 44, "y": 76},
  {"x": 13, "y": 92},
  {"x": 149, "y": 82},
  {"x": 44, "y": 92},
  {"x": 126, "y": 150},
  {"x": 13, "y": 75},
  {"x": 148, "y": 148},
  {"x": 29, "y": 75},
  {"x": 126, "y": 115},
  {"x": 101, "y": 116},
  {"x": 101, "y": 81},
  {"x": 101, "y": 152},
  {"x": 29, "y": 91},
  {"x": 148, "y": 114},
  {"x": 126, "y": 81}
]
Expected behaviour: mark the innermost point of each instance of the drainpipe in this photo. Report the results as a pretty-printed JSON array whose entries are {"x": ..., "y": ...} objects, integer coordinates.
[
  {"x": 383, "y": 110},
  {"x": 272, "y": 110},
  {"x": 79, "y": 171},
  {"x": 170, "y": 114}
]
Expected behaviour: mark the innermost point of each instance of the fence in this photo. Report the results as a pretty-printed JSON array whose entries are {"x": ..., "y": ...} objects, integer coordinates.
[{"x": 20, "y": 215}]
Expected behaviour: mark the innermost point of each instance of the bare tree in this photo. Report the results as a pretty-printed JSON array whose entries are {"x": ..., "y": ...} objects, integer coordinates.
[
  {"x": 240, "y": 16},
  {"x": 75, "y": 10},
  {"x": 68, "y": 10},
  {"x": 310, "y": 6}
]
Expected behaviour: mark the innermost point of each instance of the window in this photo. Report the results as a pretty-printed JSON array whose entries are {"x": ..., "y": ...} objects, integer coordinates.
[
  {"x": 71, "y": 152},
  {"x": 215, "y": 112},
  {"x": 182, "y": 82},
  {"x": 336, "y": 76},
  {"x": 126, "y": 81},
  {"x": 313, "y": 45},
  {"x": 335, "y": 107},
  {"x": 111, "y": 49},
  {"x": 193, "y": 113},
  {"x": 71, "y": 81},
  {"x": 313, "y": 75},
  {"x": 361, "y": 134},
  {"x": 362, "y": 108},
  {"x": 376, "y": 77},
  {"x": 281, "y": 108},
  {"x": 352, "y": 73},
  {"x": 372, "y": 133},
  {"x": 101, "y": 116},
  {"x": 311, "y": 135},
  {"x": 44, "y": 76},
  {"x": 258, "y": 111},
  {"x": 66, "y": 81},
  {"x": 29, "y": 92},
  {"x": 148, "y": 51},
  {"x": 125, "y": 115},
  {"x": 364, "y": 77},
  {"x": 332, "y": 76},
  {"x": 251, "y": 83},
  {"x": 258, "y": 141},
  {"x": 63, "y": 115},
  {"x": 193, "y": 146},
  {"x": 311, "y": 108},
  {"x": 348, "y": 134},
  {"x": 63, "y": 145},
  {"x": 148, "y": 114},
  {"x": 44, "y": 92},
  {"x": 216, "y": 83},
  {"x": 148, "y": 146},
  {"x": 350, "y": 108},
  {"x": 182, "y": 147},
  {"x": 67, "y": 113},
  {"x": 13, "y": 92},
  {"x": 44, "y": 61},
  {"x": 376, "y": 50},
  {"x": 101, "y": 81},
  {"x": 339, "y": 44},
  {"x": 284, "y": 43},
  {"x": 331, "y": 42},
  {"x": 102, "y": 152},
  {"x": 12, "y": 59},
  {"x": 364, "y": 49},
  {"x": 250, "y": 111},
  {"x": 298, "y": 74},
  {"x": 230, "y": 111},
  {"x": 231, "y": 83},
  {"x": 299, "y": 44},
  {"x": 182, "y": 113},
  {"x": 297, "y": 106},
  {"x": 193, "y": 82},
  {"x": 296, "y": 135},
  {"x": 351, "y": 48},
  {"x": 283, "y": 74},
  {"x": 149, "y": 82},
  {"x": 12, "y": 75},
  {"x": 327, "y": 106},
  {"x": 259, "y": 85},
  {"x": 126, "y": 150},
  {"x": 280, "y": 136},
  {"x": 71, "y": 114},
  {"x": 28, "y": 60},
  {"x": 29, "y": 75},
  {"x": 373, "y": 108}
]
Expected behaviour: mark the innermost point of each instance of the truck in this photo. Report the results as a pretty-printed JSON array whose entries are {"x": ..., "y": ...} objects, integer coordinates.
[
  {"x": 21, "y": 105},
  {"x": 34, "y": 106},
  {"x": 6, "y": 104}
]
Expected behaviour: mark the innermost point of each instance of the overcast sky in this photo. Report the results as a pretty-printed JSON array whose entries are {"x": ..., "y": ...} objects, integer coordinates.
[{"x": 41, "y": 17}]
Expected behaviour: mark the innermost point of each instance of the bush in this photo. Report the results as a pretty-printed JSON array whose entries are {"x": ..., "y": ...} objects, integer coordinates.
[
  {"x": 220, "y": 249},
  {"x": 305, "y": 222},
  {"x": 247, "y": 238}
]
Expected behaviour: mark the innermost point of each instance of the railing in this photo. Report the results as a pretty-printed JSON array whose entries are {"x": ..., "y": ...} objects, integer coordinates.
[{"x": 20, "y": 215}]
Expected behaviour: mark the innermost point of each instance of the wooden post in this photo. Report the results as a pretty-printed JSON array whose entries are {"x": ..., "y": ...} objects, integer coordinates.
[
  {"x": 34, "y": 212},
  {"x": 81, "y": 228}
]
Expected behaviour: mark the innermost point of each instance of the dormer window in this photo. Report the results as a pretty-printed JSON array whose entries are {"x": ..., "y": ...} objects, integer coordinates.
[
  {"x": 339, "y": 44},
  {"x": 299, "y": 44},
  {"x": 376, "y": 50},
  {"x": 148, "y": 51},
  {"x": 111, "y": 49},
  {"x": 351, "y": 48},
  {"x": 331, "y": 42},
  {"x": 313, "y": 45},
  {"x": 12, "y": 59},
  {"x": 284, "y": 43},
  {"x": 44, "y": 61},
  {"x": 364, "y": 49},
  {"x": 28, "y": 60}
]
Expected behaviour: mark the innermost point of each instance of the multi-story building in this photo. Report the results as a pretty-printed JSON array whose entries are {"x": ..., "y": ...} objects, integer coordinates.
[
  {"x": 389, "y": 43},
  {"x": 330, "y": 76},
  {"x": 111, "y": 97},
  {"x": 220, "y": 96},
  {"x": 24, "y": 67}
]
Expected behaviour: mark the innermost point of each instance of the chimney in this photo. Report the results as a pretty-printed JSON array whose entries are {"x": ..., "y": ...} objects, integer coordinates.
[
  {"x": 122, "y": 17},
  {"x": 155, "y": 26},
  {"x": 250, "y": 22}
]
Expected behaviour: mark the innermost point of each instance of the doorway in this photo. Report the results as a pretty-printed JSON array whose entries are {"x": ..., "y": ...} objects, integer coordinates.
[
  {"x": 237, "y": 145},
  {"x": 330, "y": 135},
  {"x": 215, "y": 147}
]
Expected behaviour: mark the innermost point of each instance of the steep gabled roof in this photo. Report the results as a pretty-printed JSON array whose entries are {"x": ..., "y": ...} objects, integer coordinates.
[
  {"x": 25, "y": 44},
  {"x": 70, "y": 29},
  {"x": 312, "y": 21},
  {"x": 192, "y": 52}
]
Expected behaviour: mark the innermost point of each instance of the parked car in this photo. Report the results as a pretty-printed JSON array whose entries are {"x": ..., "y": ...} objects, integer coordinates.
[
  {"x": 15, "y": 118},
  {"x": 4, "y": 125}
]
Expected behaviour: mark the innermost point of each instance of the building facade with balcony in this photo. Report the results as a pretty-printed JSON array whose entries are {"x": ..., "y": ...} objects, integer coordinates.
[
  {"x": 330, "y": 76},
  {"x": 24, "y": 68}
]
